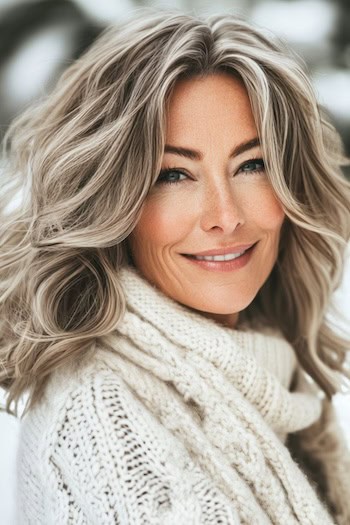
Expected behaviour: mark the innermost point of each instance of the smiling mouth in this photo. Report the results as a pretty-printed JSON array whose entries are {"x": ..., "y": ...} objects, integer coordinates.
[
  {"x": 219, "y": 258},
  {"x": 230, "y": 262}
]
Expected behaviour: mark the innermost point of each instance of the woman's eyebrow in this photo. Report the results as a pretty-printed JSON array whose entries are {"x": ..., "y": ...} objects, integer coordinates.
[{"x": 197, "y": 155}]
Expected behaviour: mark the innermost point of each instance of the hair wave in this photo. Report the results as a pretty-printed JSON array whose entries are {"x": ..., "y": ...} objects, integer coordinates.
[{"x": 84, "y": 160}]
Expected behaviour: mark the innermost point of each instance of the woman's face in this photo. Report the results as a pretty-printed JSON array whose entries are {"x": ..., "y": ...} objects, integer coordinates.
[{"x": 215, "y": 197}]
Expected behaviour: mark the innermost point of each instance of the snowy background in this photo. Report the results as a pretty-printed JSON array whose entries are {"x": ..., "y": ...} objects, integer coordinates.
[{"x": 39, "y": 38}]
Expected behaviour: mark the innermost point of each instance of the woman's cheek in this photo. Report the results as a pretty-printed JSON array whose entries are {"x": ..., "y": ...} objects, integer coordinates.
[
  {"x": 165, "y": 219},
  {"x": 265, "y": 208}
]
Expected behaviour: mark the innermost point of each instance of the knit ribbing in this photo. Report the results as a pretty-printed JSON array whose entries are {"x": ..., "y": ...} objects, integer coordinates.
[{"x": 278, "y": 359}]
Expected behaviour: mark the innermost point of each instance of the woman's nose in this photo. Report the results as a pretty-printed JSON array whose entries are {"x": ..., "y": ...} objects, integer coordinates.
[{"x": 220, "y": 208}]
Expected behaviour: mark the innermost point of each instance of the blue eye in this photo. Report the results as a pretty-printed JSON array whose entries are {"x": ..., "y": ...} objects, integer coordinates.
[
  {"x": 170, "y": 176},
  {"x": 252, "y": 166},
  {"x": 174, "y": 176}
]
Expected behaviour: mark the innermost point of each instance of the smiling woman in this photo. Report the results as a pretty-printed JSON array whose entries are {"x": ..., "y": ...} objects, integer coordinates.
[
  {"x": 222, "y": 205},
  {"x": 165, "y": 284}
]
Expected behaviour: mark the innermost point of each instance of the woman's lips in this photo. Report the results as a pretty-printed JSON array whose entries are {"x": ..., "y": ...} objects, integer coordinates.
[
  {"x": 223, "y": 251},
  {"x": 224, "y": 266}
]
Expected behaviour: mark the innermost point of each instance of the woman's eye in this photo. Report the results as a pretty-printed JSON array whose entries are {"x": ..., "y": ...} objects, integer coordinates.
[
  {"x": 174, "y": 176},
  {"x": 171, "y": 176},
  {"x": 252, "y": 166}
]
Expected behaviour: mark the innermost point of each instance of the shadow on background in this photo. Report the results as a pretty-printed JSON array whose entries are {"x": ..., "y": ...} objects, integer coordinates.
[{"x": 38, "y": 40}]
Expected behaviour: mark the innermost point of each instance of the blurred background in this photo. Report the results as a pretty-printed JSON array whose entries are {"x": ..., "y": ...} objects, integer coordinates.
[{"x": 39, "y": 39}]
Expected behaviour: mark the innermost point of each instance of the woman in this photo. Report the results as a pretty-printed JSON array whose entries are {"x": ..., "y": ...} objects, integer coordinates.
[{"x": 165, "y": 284}]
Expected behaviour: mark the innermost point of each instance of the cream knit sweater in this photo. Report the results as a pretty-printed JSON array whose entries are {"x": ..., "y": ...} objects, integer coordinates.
[{"x": 178, "y": 420}]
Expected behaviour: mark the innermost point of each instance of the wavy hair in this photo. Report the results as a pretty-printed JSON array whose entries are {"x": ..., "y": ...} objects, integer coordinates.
[{"x": 84, "y": 159}]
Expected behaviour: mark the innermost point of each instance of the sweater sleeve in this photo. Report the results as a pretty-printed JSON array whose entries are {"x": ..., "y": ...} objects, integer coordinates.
[{"x": 111, "y": 462}]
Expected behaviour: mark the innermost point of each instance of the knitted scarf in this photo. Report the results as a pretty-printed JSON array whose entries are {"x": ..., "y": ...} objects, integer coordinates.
[{"x": 201, "y": 382}]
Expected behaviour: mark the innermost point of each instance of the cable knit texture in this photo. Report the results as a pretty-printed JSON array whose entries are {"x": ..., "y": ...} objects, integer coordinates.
[{"x": 179, "y": 420}]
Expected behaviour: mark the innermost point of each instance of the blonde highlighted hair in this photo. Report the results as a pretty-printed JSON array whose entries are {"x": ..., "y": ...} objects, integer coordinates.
[{"x": 85, "y": 159}]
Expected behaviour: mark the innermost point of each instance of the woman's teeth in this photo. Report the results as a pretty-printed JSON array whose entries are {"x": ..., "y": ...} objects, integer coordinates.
[{"x": 227, "y": 257}]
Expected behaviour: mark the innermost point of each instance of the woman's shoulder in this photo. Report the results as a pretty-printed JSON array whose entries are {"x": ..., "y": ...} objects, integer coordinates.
[
  {"x": 100, "y": 452},
  {"x": 90, "y": 411},
  {"x": 81, "y": 391}
]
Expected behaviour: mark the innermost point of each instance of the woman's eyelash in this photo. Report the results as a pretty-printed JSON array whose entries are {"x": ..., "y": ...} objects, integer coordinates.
[
  {"x": 258, "y": 163},
  {"x": 165, "y": 172}
]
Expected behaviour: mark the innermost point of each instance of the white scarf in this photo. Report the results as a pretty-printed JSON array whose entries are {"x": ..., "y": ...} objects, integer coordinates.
[{"x": 202, "y": 382}]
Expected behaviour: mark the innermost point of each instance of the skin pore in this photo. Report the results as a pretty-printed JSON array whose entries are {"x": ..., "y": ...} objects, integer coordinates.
[{"x": 212, "y": 200}]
